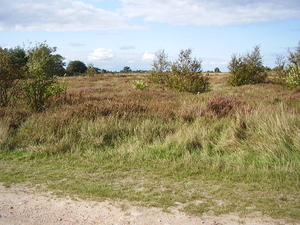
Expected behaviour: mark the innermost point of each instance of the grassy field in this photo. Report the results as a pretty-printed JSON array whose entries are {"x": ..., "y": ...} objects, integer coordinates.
[{"x": 233, "y": 149}]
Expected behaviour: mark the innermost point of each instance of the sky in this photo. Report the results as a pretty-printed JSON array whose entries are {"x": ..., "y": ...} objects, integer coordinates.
[{"x": 112, "y": 34}]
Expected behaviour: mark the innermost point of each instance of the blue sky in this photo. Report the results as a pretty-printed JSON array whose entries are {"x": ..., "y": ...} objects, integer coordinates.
[{"x": 112, "y": 34}]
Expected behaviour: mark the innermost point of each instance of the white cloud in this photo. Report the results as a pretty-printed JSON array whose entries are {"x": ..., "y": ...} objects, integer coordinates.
[
  {"x": 148, "y": 56},
  {"x": 77, "y": 15},
  {"x": 127, "y": 47},
  {"x": 211, "y": 13},
  {"x": 76, "y": 45},
  {"x": 101, "y": 54},
  {"x": 58, "y": 15},
  {"x": 218, "y": 63}
]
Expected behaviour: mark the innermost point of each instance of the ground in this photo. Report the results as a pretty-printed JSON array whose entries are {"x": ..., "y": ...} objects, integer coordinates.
[{"x": 25, "y": 205}]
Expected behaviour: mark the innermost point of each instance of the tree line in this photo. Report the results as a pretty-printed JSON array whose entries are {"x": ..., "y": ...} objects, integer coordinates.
[{"x": 185, "y": 73}]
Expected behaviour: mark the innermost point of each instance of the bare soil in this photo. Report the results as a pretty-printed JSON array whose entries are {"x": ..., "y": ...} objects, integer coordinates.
[{"x": 23, "y": 205}]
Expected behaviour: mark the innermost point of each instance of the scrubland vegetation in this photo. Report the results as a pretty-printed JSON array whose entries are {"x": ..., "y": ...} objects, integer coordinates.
[{"x": 127, "y": 136}]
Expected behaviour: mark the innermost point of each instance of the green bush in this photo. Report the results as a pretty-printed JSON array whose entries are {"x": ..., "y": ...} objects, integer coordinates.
[
  {"x": 41, "y": 82},
  {"x": 139, "y": 84},
  {"x": 247, "y": 69},
  {"x": 187, "y": 74},
  {"x": 293, "y": 77}
]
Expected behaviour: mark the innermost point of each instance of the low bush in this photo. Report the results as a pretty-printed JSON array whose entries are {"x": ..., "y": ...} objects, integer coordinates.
[
  {"x": 185, "y": 74},
  {"x": 139, "y": 84}
]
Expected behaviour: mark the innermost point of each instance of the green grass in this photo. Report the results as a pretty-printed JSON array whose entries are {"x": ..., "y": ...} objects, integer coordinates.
[{"x": 156, "y": 147}]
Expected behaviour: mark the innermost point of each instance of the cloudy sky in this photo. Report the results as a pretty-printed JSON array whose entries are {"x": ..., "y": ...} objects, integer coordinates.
[{"x": 112, "y": 34}]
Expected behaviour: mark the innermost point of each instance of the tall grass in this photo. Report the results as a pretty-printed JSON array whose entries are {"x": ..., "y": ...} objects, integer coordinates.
[{"x": 226, "y": 138}]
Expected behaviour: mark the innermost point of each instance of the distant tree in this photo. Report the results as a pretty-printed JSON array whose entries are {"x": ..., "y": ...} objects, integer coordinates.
[
  {"x": 294, "y": 57},
  {"x": 18, "y": 55},
  {"x": 126, "y": 69},
  {"x": 217, "y": 70},
  {"x": 41, "y": 81},
  {"x": 279, "y": 71},
  {"x": 280, "y": 62},
  {"x": 160, "y": 68},
  {"x": 75, "y": 68},
  {"x": 247, "y": 69}
]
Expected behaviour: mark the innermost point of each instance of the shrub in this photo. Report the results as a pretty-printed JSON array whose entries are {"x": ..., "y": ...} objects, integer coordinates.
[
  {"x": 187, "y": 74},
  {"x": 42, "y": 81},
  {"x": 247, "y": 69},
  {"x": 293, "y": 77},
  {"x": 139, "y": 84}
]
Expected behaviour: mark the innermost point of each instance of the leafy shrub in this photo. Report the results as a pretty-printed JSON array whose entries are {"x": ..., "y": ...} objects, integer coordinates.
[
  {"x": 187, "y": 74},
  {"x": 293, "y": 76},
  {"x": 223, "y": 105},
  {"x": 139, "y": 84},
  {"x": 247, "y": 69},
  {"x": 42, "y": 82}
]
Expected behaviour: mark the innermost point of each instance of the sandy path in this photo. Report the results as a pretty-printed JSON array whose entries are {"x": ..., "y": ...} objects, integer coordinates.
[{"x": 20, "y": 205}]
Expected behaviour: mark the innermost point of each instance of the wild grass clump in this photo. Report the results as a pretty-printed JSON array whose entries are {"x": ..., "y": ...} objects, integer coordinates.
[
  {"x": 223, "y": 105},
  {"x": 191, "y": 112}
]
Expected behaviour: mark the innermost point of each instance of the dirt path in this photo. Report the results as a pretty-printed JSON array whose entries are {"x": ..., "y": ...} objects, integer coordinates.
[{"x": 20, "y": 205}]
